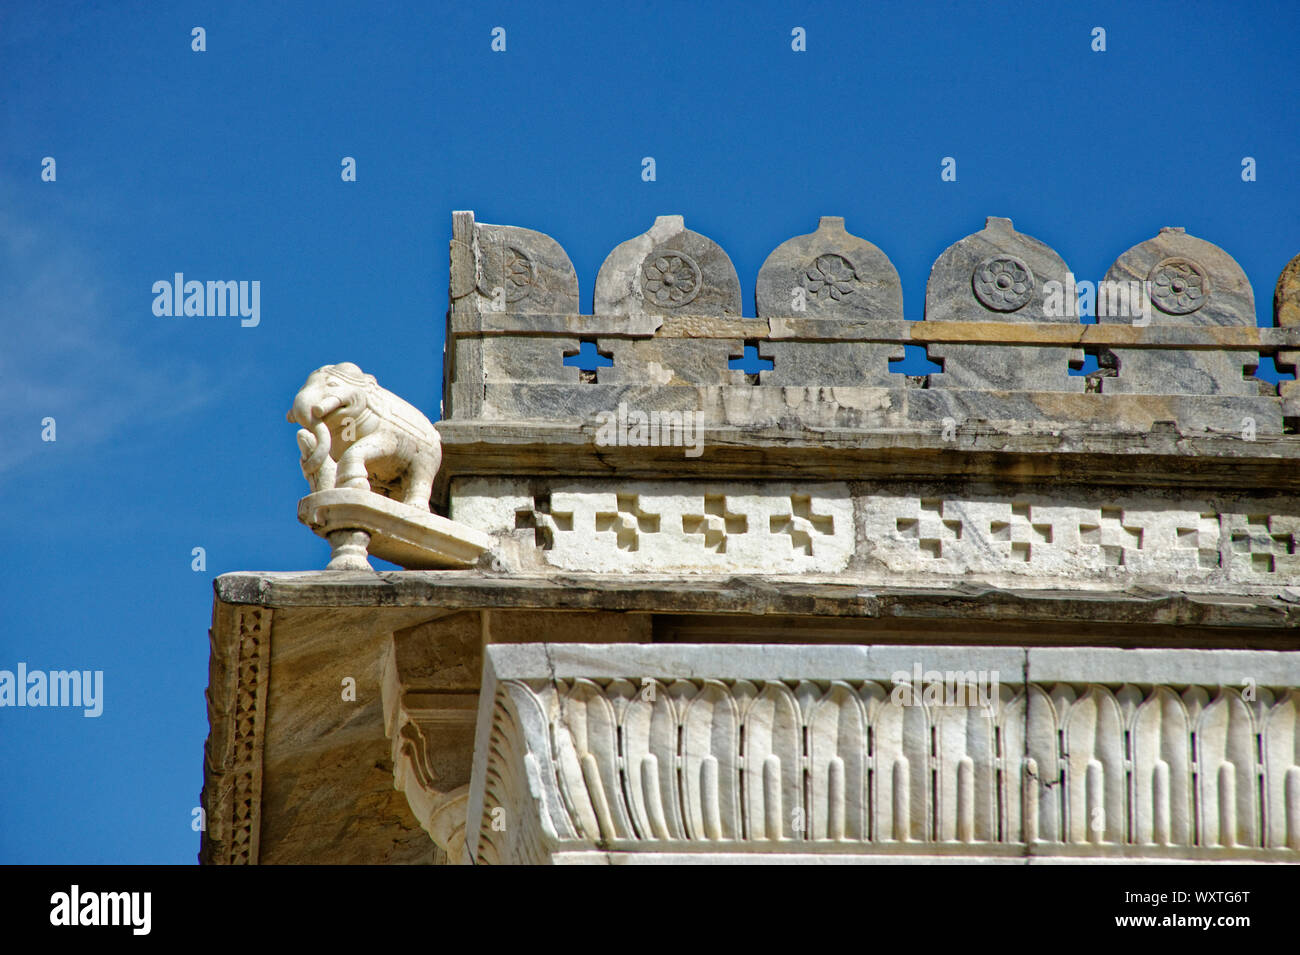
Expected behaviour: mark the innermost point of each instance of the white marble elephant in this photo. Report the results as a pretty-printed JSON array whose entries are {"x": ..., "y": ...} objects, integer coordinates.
[{"x": 353, "y": 431}]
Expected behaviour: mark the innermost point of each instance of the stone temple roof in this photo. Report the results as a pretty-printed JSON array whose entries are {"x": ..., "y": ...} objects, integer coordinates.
[{"x": 664, "y": 562}]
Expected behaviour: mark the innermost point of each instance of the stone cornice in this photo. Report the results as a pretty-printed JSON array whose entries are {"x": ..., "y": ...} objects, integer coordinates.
[
  {"x": 1203, "y": 620},
  {"x": 1160, "y": 457}
]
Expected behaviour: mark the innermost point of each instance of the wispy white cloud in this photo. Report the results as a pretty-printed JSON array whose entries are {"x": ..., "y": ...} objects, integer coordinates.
[{"x": 65, "y": 353}]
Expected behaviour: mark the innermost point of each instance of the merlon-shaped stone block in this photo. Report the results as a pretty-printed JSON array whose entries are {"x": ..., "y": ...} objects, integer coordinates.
[
  {"x": 1286, "y": 297},
  {"x": 509, "y": 269},
  {"x": 1001, "y": 275},
  {"x": 1286, "y": 312},
  {"x": 668, "y": 270},
  {"x": 1186, "y": 281},
  {"x": 1178, "y": 279},
  {"x": 995, "y": 275},
  {"x": 829, "y": 274}
]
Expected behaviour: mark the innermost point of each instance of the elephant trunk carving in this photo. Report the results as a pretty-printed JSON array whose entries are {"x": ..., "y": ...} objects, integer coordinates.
[
  {"x": 317, "y": 465},
  {"x": 354, "y": 431}
]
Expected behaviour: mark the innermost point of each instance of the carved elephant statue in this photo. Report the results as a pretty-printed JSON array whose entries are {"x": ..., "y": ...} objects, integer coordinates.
[{"x": 353, "y": 431}]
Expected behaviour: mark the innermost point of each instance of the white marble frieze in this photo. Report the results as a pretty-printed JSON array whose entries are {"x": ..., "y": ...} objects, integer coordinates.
[
  {"x": 1087, "y": 536},
  {"x": 584, "y": 753},
  {"x": 1084, "y": 533},
  {"x": 674, "y": 526}
]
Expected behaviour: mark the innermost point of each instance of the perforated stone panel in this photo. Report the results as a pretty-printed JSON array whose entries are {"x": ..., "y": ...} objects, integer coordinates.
[
  {"x": 1050, "y": 537},
  {"x": 677, "y": 526}
]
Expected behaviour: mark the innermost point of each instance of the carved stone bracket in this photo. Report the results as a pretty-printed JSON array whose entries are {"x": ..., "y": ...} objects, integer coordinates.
[
  {"x": 429, "y": 714},
  {"x": 415, "y": 751}
]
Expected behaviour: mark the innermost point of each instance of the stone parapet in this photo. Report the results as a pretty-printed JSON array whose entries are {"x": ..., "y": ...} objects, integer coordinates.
[{"x": 1175, "y": 321}]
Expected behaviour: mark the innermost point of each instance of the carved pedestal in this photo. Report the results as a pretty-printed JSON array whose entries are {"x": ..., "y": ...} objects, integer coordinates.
[{"x": 357, "y": 522}]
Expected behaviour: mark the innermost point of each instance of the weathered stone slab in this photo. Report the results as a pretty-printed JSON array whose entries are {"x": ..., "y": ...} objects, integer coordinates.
[
  {"x": 553, "y": 402},
  {"x": 1189, "y": 337},
  {"x": 1105, "y": 440},
  {"x": 831, "y": 364},
  {"x": 564, "y": 325},
  {"x": 738, "y": 608},
  {"x": 524, "y": 359},
  {"x": 805, "y": 329},
  {"x": 668, "y": 270},
  {"x": 790, "y": 409},
  {"x": 670, "y": 361},
  {"x": 1008, "y": 411}
]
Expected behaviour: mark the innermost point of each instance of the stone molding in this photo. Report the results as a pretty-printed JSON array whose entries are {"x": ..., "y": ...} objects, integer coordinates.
[
  {"x": 806, "y": 751},
  {"x": 636, "y": 526},
  {"x": 238, "y": 678}
]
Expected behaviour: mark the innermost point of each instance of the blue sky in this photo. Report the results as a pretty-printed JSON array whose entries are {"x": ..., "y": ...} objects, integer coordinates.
[{"x": 225, "y": 165}]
